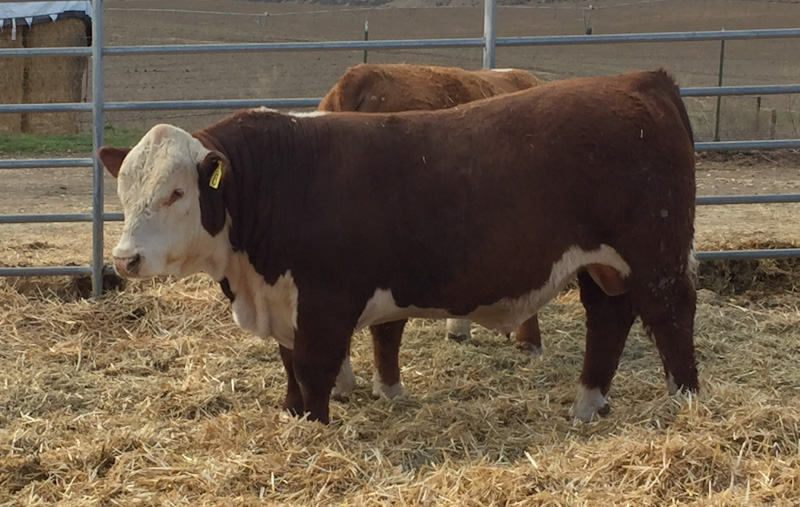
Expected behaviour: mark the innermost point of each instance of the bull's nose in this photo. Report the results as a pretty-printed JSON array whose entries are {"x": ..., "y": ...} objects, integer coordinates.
[{"x": 127, "y": 266}]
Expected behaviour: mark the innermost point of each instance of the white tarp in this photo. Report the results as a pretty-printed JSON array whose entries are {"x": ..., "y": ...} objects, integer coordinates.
[{"x": 28, "y": 10}]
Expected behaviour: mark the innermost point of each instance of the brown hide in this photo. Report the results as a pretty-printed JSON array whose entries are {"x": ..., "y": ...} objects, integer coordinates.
[
  {"x": 460, "y": 208},
  {"x": 404, "y": 87}
]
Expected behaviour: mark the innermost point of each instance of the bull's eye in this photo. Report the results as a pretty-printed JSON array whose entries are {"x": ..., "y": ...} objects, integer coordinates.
[{"x": 176, "y": 195}]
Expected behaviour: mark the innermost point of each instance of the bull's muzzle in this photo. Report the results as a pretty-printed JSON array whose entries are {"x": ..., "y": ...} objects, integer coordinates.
[{"x": 128, "y": 266}]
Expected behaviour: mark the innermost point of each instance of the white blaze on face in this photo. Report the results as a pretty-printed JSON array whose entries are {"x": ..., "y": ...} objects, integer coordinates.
[{"x": 158, "y": 188}]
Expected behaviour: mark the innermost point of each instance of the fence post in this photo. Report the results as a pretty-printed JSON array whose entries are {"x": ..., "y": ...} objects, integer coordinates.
[
  {"x": 758, "y": 115},
  {"x": 366, "y": 37},
  {"x": 97, "y": 141},
  {"x": 489, "y": 14},
  {"x": 773, "y": 124},
  {"x": 719, "y": 83}
]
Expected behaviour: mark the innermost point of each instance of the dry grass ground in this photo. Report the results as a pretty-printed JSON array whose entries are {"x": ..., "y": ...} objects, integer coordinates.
[{"x": 152, "y": 396}]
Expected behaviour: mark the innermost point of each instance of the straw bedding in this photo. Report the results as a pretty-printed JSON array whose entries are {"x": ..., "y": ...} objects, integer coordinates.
[{"x": 152, "y": 396}]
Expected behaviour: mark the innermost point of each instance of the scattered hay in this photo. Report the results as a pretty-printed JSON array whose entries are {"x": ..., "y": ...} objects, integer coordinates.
[
  {"x": 751, "y": 276},
  {"x": 154, "y": 396}
]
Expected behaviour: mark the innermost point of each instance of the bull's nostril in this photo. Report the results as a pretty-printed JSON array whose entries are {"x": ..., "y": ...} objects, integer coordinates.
[{"x": 133, "y": 264}]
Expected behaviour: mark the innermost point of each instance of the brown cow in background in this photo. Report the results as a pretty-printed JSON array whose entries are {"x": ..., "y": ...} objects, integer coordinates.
[{"x": 388, "y": 88}]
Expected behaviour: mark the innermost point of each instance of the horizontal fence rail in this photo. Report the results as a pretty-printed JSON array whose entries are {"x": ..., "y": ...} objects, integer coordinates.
[
  {"x": 360, "y": 45},
  {"x": 764, "y": 144},
  {"x": 713, "y": 35},
  {"x": 57, "y": 217},
  {"x": 705, "y": 91},
  {"x": 46, "y": 163},
  {"x": 747, "y": 199},
  {"x": 487, "y": 43},
  {"x": 733, "y": 255},
  {"x": 47, "y": 271},
  {"x": 727, "y": 91}
]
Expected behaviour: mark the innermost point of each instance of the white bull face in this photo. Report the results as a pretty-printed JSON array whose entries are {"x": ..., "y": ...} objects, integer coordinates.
[{"x": 158, "y": 185}]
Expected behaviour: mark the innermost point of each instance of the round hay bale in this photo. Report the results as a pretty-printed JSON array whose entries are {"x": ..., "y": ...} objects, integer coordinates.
[
  {"x": 11, "y": 81},
  {"x": 53, "y": 79}
]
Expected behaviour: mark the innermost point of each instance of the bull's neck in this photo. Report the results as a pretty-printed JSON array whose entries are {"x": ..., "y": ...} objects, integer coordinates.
[{"x": 271, "y": 159}]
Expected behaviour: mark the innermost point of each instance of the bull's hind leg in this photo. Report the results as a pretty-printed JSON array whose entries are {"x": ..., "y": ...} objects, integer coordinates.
[
  {"x": 529, "y": 337},
  {"x": 608, "y": 321},
  {"x": 667, "y": 307},
  {"x": 386, "y": 349},
  {"x": 294, "y": 399}
]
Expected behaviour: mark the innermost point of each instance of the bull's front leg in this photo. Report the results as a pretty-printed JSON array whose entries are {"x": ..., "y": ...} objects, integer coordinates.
[{"x": 322, "y": 339}]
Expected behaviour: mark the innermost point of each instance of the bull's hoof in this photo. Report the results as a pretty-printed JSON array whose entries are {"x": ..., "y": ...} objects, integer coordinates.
[
  {"x": 458, "y": 338},
  {"x": 588, "y": 403},
  {"x": 345, "y": 382},
  {"x": 381, "y": 390},
  {"x": 344, "y": 396},
  {"x": 530, "y": 349}
]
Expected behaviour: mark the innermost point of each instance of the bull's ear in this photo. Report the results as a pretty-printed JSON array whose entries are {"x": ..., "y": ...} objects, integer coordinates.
[
  {"x": 112, "y": 158},
  {"x": 212, "y": 174}
]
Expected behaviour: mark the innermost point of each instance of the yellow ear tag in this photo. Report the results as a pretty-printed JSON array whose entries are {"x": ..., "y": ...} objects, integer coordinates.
[{"x": 216, "y": 176}]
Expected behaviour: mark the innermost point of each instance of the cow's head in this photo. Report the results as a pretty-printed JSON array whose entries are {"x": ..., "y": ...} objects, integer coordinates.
[{"x": 169, "y": 185}]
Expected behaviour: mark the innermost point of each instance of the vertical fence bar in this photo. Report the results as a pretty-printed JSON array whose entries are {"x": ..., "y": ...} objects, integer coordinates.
[
  {"x": 366, "y": 37},
  {"x": 719, "y": 83},
  {"x": 97, "y": 141},
  {"x": 489, "y": 38}
]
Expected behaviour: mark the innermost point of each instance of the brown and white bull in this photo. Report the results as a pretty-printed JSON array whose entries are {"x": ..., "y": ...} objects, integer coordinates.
[
  {"x": 395, "y": 87},
  {"x": 484, "y": 211}
]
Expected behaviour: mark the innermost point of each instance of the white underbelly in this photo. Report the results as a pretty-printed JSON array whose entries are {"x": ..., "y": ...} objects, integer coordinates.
[{"x": 507, "y": 313}]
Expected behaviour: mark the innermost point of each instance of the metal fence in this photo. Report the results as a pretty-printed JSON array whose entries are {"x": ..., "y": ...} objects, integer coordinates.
[{"x": 489, "y": 42}]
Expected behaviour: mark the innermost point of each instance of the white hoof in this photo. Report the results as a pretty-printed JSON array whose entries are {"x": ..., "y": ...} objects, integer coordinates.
[
  {"x": 381, "y": 390},
  {"x": 588, "y": 403},
  {"x": 530, "y": 349},
  {"x": 458, "y": 330},
  {"x": 672, "y": 387},
  {"x": 345, "y": 381}
]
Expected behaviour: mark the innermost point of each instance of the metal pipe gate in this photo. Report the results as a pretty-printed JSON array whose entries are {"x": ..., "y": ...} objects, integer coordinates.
[{"x": 489, "y": 42}]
